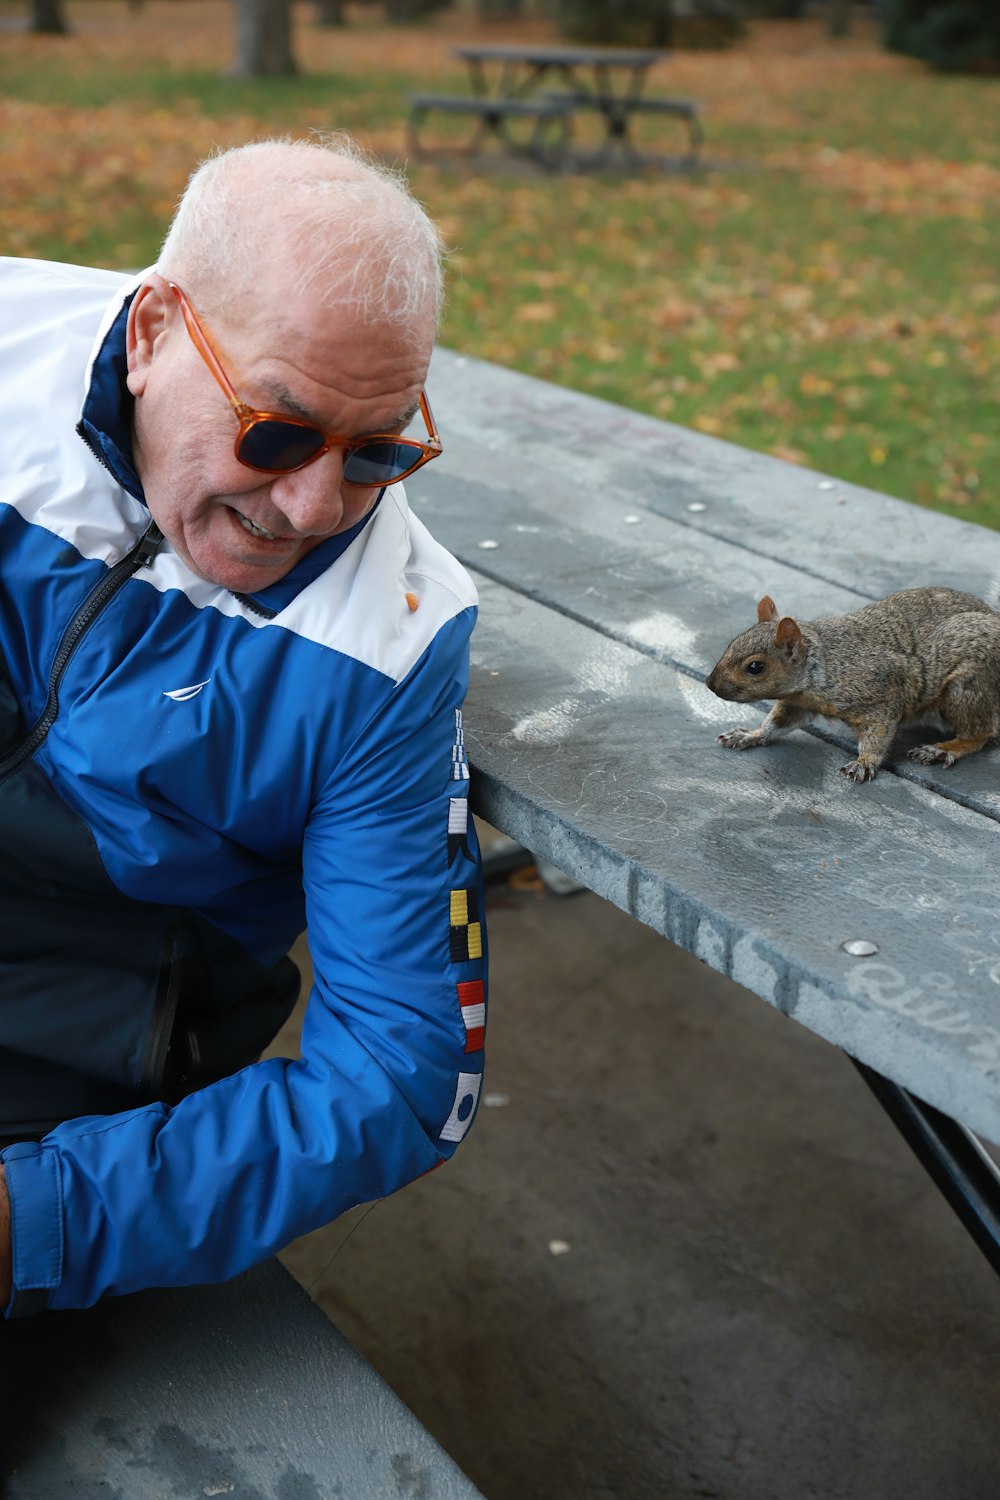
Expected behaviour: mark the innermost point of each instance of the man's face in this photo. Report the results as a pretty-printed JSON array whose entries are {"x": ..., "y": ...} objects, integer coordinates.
[{"x": 234, "y": 526}]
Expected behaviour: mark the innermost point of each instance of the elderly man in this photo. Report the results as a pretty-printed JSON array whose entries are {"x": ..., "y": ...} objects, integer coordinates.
[{"x": 230, "y": 685}]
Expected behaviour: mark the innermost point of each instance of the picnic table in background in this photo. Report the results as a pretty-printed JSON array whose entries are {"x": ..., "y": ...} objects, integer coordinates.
[{"x": 508, "y": 85}]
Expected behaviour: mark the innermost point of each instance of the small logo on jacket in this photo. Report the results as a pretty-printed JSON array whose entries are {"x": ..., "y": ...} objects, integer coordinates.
[{"x": 181, "y": 695}]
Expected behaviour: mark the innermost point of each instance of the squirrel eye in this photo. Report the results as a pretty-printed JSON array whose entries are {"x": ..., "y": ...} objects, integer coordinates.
[{"x": 755, "y": 666}]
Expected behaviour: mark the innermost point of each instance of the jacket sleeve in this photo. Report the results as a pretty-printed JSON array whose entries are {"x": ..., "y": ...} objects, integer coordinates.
[{"x": 392, "y": 1046}]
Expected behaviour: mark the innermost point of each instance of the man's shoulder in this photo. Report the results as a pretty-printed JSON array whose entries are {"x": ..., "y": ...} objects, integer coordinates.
[
  {"x": 56, "y": 276},
  {"x": 48, "y": 307},
  {"x": 389, "y": 597},
  {"x": 432, "y": 563}
]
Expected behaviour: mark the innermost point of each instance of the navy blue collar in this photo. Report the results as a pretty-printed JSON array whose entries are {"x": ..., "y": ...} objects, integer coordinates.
[
  {"x": 106, "y": 427},
  {"x": 106, "y": 422}
]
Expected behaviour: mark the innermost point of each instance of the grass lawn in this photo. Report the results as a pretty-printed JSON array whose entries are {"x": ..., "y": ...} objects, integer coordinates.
[{"x": 829, "y": 291}]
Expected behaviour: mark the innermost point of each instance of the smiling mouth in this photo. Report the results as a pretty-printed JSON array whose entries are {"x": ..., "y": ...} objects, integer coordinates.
[{"x": 254, "y": 529}]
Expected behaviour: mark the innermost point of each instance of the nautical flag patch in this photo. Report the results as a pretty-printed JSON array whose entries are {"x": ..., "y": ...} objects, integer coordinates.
[
  {"x": 464, "y": 1107},
  {"x": 458, "y": 828},
  {"x": 472, "y": 999},
  {"x": 466, "y": 932},
  {"x": 459, "y": 764}
]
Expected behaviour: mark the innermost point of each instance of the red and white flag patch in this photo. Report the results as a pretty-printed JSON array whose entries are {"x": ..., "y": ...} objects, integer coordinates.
[{"x": 472, "y": 999}]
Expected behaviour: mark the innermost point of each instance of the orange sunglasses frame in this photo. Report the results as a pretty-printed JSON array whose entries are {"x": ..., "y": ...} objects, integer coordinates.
[{"x": 249, "y": 417}]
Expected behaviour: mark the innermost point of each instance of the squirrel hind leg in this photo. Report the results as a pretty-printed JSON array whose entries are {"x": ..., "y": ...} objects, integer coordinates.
[
  {"x": 967, "y": 704},
  {"x": 947, "y": 751}
]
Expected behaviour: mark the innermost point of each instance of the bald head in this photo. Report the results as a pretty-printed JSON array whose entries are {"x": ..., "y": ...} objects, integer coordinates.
[{"x": 343, "y": 229}]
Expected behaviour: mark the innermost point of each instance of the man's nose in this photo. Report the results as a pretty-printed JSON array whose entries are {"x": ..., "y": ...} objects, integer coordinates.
[{"x": 310, "y": 498}]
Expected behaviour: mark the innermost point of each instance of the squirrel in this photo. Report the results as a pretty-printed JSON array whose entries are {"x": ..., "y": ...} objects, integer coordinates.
[{"x": 913, "y": 654}]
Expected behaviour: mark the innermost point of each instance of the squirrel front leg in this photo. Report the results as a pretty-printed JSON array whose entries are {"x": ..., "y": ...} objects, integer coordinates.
[
  {"x": 873, "y": 747},
  {"x": 782, "y": 718}
]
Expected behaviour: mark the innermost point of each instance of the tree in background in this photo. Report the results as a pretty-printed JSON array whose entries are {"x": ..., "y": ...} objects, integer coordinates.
[
  {"x": 401, "y": 12},
  {"x": 330, "y": 13},
  {"x": 499, "y": 10},
  {"x": 650, "y": 23},
  {"x": 955, "y": 36},
  {"x": 840, "y": 17},
  {"x": 263, "y": 40},
  {"x": 397, "y": 12},
  {"x": 838, "y": 12},
  {"x": 46, "y": 16}
]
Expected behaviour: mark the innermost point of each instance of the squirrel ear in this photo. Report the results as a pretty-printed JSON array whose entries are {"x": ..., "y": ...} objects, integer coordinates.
[
  {"x": 767, "y": 610},
  {"x": 788, "y": 636}
]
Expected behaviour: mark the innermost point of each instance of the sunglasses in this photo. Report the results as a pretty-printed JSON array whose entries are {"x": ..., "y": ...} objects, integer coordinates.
[{"x": 275, "y": 444}]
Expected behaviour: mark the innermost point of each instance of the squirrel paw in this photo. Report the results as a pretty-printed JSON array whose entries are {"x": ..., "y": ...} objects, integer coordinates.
[
  {"x": 741, "y": 739},
  {"x": 859, "y": 770},
  {"x": 931, "y": 755}
]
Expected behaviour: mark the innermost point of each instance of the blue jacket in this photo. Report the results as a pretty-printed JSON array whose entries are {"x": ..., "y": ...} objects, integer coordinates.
[{"x": 188, "y": 779}]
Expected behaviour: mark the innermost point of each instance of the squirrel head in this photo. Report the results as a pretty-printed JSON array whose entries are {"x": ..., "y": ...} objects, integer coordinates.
[{"x": 766, "y": 661}]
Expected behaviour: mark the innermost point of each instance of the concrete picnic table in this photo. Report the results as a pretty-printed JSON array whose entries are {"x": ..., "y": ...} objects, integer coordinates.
[{"x": 616, "y": 555}]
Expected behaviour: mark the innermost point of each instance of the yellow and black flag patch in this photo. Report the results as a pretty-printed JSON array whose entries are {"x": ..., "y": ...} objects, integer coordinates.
[{"x": 466, "y": 931}]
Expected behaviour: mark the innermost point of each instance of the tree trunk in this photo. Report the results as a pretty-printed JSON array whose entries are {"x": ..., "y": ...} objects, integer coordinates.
[
  {"x": 663, "y": 25},
  {"x": 330, "y": 13},
  {"x": 263, "y": 40},
  {"x": 840, "y": 17},
  {"x": 46, "y": 16}
]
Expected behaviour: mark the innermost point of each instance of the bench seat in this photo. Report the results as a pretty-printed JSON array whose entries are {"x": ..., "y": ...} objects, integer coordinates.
[
  {"x": 621, "y": 110},
  {"x": 492, "y": 114},
  {"x": 243, "y": 1390}
]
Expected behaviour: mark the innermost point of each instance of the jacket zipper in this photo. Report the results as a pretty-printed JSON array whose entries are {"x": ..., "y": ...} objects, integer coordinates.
[
  {"x": 141, "y": 556},
  {"x": 264, "y": 611}
]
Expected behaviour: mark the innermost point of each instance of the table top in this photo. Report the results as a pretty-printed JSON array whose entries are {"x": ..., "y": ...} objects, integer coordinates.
[
  {"x": 555, "y": 55},
  {"x": 616, "y": 555}
]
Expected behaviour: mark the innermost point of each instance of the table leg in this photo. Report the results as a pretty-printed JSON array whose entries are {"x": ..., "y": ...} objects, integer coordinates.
[
  {"x": 615, "y": 119},
  {"x": 477, "y": 78},
  {"x": 958, "y": 1164},
  {"x": 617, "y": 110}
]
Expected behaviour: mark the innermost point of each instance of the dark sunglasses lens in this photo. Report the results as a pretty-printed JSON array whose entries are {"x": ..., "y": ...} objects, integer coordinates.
[
  {"x": 382, "y": 462},
  {"x": 279, "y": 445}
]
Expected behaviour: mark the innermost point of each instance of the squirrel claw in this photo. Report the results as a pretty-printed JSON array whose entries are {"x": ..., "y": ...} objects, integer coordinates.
[
  {"x": 859, "y": 770},
  {"x": 931, "y": 755},
  {"x": 739, "y": 739}
]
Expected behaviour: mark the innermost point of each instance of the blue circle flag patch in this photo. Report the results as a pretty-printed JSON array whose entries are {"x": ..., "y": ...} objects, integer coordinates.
[{"x": 464, "y": 1107}]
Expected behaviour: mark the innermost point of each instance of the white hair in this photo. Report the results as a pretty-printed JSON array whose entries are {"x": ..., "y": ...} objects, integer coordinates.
[{"x": 345, "y": 226}]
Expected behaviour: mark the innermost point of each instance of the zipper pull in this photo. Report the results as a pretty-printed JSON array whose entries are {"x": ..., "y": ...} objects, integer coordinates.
[{"x": 148, "y": 546}]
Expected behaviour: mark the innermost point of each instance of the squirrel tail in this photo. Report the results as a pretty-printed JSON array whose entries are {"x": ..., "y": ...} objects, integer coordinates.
[{"x": 992, "y": 593}]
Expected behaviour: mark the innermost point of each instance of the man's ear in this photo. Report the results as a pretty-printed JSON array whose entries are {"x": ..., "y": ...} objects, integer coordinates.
[{"x": 149, "y": 317}]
